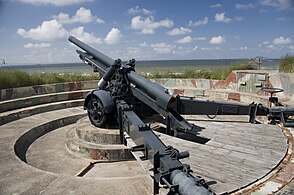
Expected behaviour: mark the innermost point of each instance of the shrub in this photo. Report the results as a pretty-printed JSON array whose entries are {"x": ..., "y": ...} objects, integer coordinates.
[
  {"x": 217, "y": 74},
  {"x": 12, "y": 79},
  {"x": 287, "y": 63}
]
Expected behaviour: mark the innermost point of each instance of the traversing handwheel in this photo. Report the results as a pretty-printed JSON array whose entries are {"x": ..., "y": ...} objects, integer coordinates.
[{"x": 272, "y": 90}]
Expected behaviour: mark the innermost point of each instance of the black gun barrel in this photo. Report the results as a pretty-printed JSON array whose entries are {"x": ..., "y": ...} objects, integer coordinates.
[
  {"x": 188, "y": 184},
  {"x": 100, "y": 57},
  {"x": 154, "y": 90}
]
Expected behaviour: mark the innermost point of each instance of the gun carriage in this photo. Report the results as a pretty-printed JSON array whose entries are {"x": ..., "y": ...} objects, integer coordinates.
[{"x": 125, "y": 98}]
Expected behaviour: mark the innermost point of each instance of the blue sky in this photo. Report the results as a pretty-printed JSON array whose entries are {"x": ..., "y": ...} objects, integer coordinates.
[{"x": 36, "y": 31}]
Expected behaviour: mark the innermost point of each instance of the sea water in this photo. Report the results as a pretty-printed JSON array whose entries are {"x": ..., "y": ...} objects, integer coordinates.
[{"x": 178, "y": 66}]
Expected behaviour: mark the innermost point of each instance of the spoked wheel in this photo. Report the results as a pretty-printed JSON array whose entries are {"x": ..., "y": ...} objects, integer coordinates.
[
  {"x": 96, "y": 112},
  {"x": 272, "y": 90}
]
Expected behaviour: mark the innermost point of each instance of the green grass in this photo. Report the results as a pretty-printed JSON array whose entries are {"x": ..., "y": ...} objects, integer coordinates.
[
  {"x": 217, "y": 74},
  {"x": 12, "y": 79},
  {"x": 287, "y": 63}
]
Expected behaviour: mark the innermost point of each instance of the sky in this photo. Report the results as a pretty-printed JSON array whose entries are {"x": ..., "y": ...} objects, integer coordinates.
[{"x": 37, "y": 31}]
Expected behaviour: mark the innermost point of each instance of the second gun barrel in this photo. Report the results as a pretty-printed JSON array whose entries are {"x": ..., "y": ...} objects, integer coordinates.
[{"x": 100, "y": 57}]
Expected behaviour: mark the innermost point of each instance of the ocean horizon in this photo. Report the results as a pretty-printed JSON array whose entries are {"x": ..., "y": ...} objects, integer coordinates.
[{"x": 150, "y": 66}]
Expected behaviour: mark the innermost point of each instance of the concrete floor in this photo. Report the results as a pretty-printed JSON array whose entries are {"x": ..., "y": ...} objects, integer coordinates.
[
  {"x": 58, "y": 159},
  {"x": 234, "y": 155}
]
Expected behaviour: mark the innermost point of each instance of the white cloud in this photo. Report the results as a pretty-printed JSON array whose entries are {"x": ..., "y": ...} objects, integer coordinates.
[
  {"x": 86, "y": 37},
  {"x": 195, "y": 48},
  {"x": 265, "y": 42},
  {"x": 199, "y": 38},
  {"x": 291, "y": 47},
  {"x": 148, "y": 25},
  {"x": 138, "y": 10},
  {"x": 237, "y": 37},
  {"x": 52, "y": 30},
  {"x": 179, "y": 31},
  {"x": 239, "y": 18},
  {"x": 281, "y": 19},
  {"x": 52, "y": 55},
  {"x": 48, "y": 30},
  {"x": 279, "y": 4},
  {"x": 217, "y": 40},
  {"x": 186, "y": 39},
  {"x": 262, "y": 11},
  {"x": 242, "y": 48},
  {"x": 220, "y": 17},
  {"x": 199, "y": 22},
  {"x": 282, "y": 41},
  {"x": 113, "y": 37},
  {"x": 82, "y": 15},
  {"x": 206, "y": 48},
  {"x": 216, "y": 5},
  {"x": 133, "y": 51},
  {"x": 53, "y": 2},
  {"x": 162, "y": 48},
  {"x": 270, "y": 47},
  {"x": 244, "y": 6},
  {"x": 144, "y": 44},
  {"x": 40, "y": 45},
  {"x": 99, "y": 21}
]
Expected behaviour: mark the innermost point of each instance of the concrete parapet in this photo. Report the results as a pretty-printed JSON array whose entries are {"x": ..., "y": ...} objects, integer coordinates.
[
  {"x": 286, "y": 82},
  {"x": 206, "y": 84},
  {"x": 241, "y": 85},
  {"x": 227, "y": 95}
]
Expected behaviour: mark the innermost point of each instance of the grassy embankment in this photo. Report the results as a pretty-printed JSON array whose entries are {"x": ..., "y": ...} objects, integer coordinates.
[
  {"x": 287, "y": 64},
  {"x": 217, "y": 74},
  {"x": 10, "y": 79}
]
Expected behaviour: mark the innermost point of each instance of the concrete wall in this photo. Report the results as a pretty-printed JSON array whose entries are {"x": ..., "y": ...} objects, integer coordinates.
[{"x": 243, "y": 86}]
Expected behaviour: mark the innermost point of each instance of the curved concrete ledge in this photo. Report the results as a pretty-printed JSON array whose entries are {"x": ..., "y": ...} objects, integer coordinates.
[
  {"x": 18, "y": 177},
  {"x": 88, "y": 141},
  {"x": 13, "y": 115},
  {"x": 24, "y": 141},
  {"x": 41, "y": 99},
  {"x": 90, "y": 133}
]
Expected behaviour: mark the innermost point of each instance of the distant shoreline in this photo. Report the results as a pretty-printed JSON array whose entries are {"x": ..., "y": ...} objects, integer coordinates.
[{"x": 150, "y": 66}]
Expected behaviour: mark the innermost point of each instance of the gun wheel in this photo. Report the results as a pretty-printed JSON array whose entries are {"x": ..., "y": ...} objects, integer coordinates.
[{"x": 96, "y": 112}]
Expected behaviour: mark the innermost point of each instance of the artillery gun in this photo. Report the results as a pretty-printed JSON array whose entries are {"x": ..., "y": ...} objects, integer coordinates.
[{"x": 125, "y": 98}]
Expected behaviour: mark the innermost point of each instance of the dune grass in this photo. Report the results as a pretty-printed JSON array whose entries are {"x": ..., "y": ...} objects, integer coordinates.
[
  {"x": 287, "y": 63},
  {"x": 12, "y": 79},
  {"x": 217, "y": 74},
  {"x": 16, "y": 78}
]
